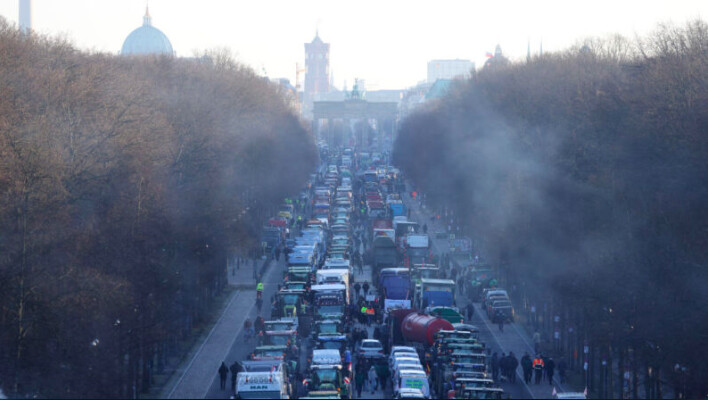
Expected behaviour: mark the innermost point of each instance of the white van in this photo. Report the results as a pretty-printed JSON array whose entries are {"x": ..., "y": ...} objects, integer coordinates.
[
  {"x": 262, "y": 380},
  {"x": 404, "y": 360},
  {"x": 411, "y": 379}
]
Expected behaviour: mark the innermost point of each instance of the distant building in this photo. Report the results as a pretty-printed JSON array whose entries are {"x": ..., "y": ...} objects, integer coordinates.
[
  {"x": 497, "y": 60},
  {"x": 449, "y": 69},
  {"x": 317, "y": 73},
  {"x": 146, "y": 40},
  {"x": 25, "y": 19}
]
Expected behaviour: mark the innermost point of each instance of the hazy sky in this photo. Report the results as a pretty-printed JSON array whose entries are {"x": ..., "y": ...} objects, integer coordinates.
[{"x": 385, "y": 42}]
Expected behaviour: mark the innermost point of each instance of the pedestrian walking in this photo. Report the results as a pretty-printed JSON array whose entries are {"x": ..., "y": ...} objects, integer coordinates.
[
  {"x": 357, "y": 288},
  {"x": 550, "y": 367},
  {"x": 470, "y": 311},
  {"x": 527, "y": 367},
  {"x": 382, "y": 374},
  {"x": 248, "y": 329},
  {"x": 495, "y": 366},
  {"x": 425, "y": 229},
  {"x": 504, "y": 366},
  {"x": 513, "y": 364},
  {"x": 277, "y": 253},
  {"x": 235, "y": 369},
  {"x": 365, "y": 286},
  {"x": 372, "y": 380},
  {"x": 500, "y": 320},
  {"x": 538, "y": 368},
  {"x": 223, "y": 372},
  {"x": 359, "y": 380}
]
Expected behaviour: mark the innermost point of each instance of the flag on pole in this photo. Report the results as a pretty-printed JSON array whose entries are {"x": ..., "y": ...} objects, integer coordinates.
[{"x": 489, "y": 55}]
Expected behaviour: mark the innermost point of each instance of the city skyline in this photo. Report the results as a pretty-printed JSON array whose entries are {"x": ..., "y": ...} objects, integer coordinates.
[{"x": 387, "y": 44}]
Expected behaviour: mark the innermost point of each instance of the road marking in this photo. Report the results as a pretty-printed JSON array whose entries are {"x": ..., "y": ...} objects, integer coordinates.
[{"x": 233, "y": 298}]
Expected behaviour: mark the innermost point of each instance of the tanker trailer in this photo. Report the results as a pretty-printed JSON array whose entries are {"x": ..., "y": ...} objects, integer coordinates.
[{"x": 421, "y": 328}]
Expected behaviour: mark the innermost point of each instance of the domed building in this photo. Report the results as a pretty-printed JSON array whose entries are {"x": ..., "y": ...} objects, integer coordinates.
[{"x": 146, "y": 40}]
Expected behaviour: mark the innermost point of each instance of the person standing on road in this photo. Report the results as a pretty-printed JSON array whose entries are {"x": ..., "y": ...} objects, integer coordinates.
[
  {"x": 470, "y": 311},
  {"x": 365, "y": 286},
  {"x": 527, "y": 366},
  {"x": 550, "y": 367},
  {"x": 223, "y": 372},
  {"x": 235, "y": 369},
  {"x": 500, "y": 320},
  {"x": 538, "y": 368}
]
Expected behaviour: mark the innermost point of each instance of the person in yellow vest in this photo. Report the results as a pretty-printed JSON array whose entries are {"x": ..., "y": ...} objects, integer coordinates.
[{"x": 259, "y": 290}]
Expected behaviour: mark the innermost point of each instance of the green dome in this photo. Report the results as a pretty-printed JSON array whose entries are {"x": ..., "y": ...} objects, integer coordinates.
[{"x": 147, "y": 40}]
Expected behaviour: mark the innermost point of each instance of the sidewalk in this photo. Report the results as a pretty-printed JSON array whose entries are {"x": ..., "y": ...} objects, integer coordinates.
[{"x": 194, "y": 377}]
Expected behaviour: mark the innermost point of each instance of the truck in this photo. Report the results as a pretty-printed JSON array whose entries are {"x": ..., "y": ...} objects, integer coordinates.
[
  {"x": 329, "y": 301},
  {"x": 271, "y": 237},
  {"x": 376, "y": 208},
  {"x": 416, "y": 249},
  {"x": 335, "y": 277},
  {"x": 380, "y": 223},
  {"x": 421, "y": 328},
  {"x": 435, "y": 292},
  {"x": 262, "y": 380},
  {"x": 385, "y": 253},
  {"x": 395, "y": 287},
  {"x": 403, "y": 228},
  {"x": 397, "y": 208}
]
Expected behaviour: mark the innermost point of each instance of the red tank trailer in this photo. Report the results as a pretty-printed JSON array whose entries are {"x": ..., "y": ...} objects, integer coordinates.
[{"x": 421, "y": 328}]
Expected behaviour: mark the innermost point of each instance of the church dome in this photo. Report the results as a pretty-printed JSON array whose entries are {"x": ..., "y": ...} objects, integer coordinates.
[{"x": 147, "y": 40}]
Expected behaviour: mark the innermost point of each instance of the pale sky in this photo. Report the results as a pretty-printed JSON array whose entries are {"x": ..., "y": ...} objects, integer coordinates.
[{"x": 385, "y": 42}]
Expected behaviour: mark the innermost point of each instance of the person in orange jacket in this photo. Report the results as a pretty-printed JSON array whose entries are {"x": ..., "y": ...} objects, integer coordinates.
[{"x": 538, "y": 368}]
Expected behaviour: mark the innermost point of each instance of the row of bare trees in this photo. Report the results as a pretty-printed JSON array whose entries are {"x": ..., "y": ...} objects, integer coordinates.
[
  {"x": 584, "y": 175},
  {"x": 124, "y": 185}
]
